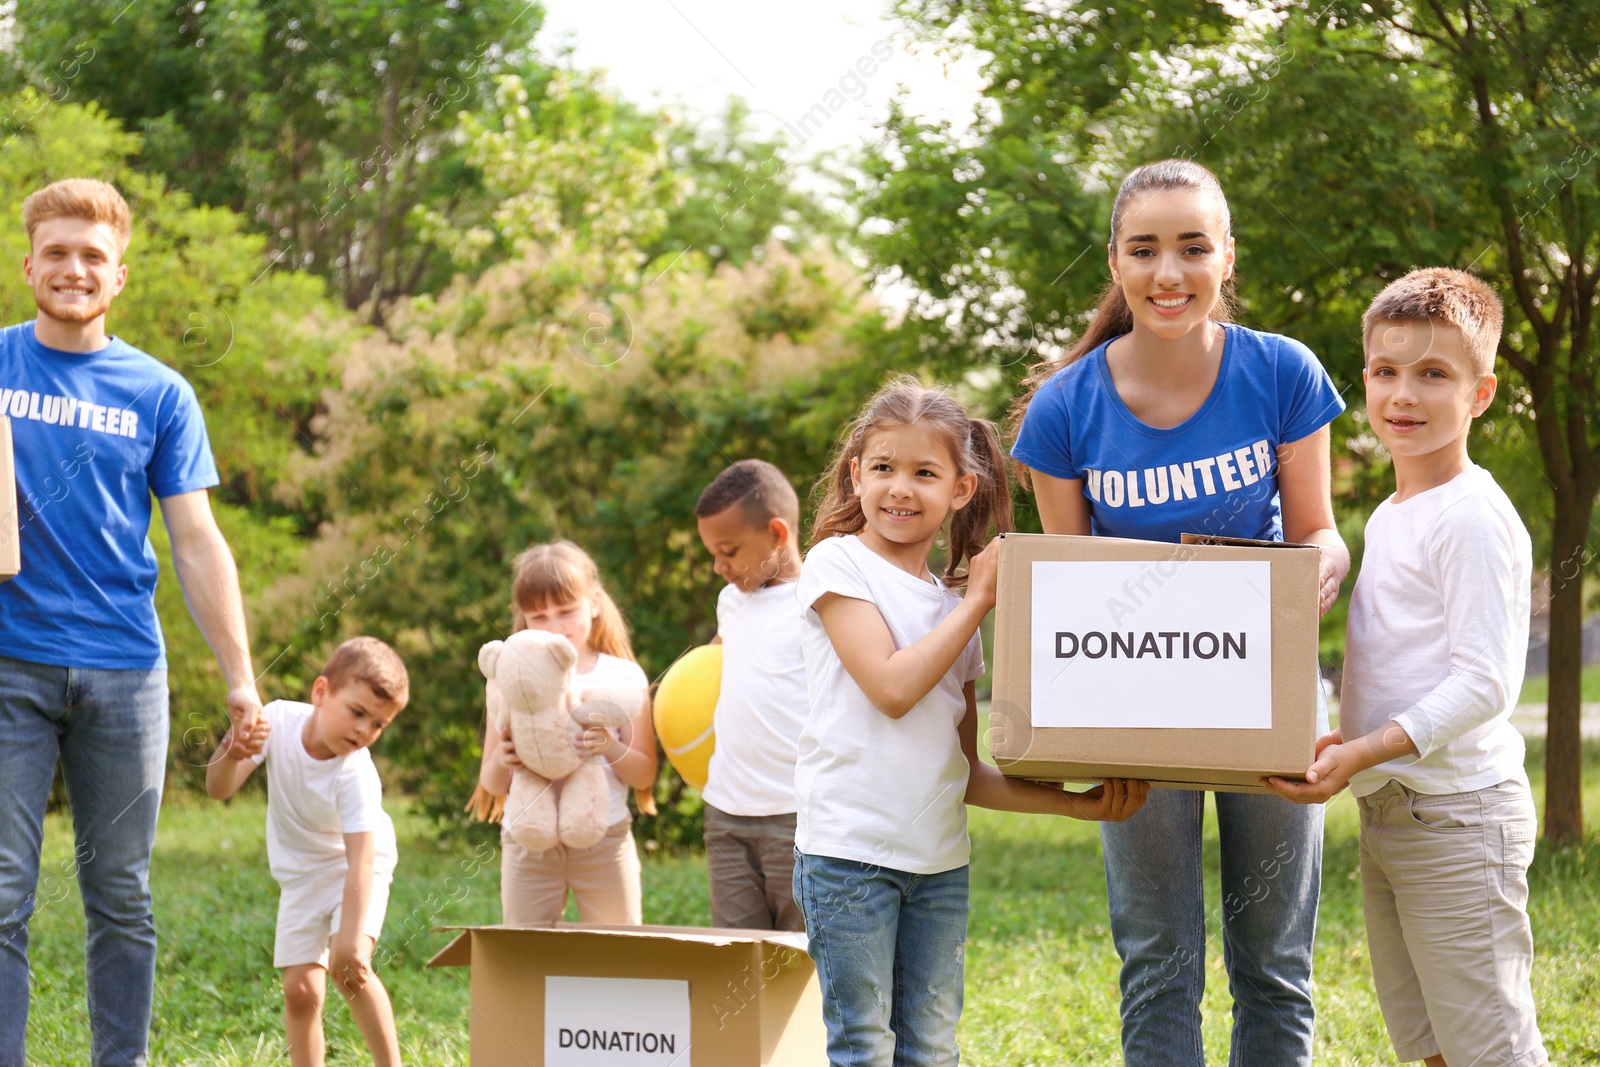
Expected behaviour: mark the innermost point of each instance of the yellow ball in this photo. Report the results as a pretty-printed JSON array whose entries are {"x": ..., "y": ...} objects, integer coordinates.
[{"x": 685, "y": 704}]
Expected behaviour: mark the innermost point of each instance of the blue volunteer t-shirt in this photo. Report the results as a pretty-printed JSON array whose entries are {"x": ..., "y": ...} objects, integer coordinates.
[
  {"x": 1214, "y": 473},
  {"x": 94, "y": 435}
]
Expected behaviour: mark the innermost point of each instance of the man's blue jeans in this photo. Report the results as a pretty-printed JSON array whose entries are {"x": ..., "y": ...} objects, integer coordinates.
[
  {"x": 109, "y": 731},
  {"x": 1271, "y": 877},
  {"x": 890, "y": 949}
]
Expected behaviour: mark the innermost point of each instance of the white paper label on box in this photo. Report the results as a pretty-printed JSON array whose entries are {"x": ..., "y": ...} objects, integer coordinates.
[
  {"x": 1152, "y": 644},
  {"x": 616, "y": 1022}
]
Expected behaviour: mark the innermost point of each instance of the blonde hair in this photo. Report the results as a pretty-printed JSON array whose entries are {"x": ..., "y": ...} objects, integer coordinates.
[
  {"x": 80, "y": 198},
  {"x": 973, "y": 444},
  {"x": 370, "y": 661},
  {"x": 1443, "y": 295},
  {"x": 560, "y": 573}
]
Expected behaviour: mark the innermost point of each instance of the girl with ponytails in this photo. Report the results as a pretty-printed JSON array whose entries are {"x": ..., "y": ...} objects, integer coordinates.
[
  {"x": 556, "y": 587},
  {"x": 888, "y": 756},
  {"x": 1167, "y": 418}
]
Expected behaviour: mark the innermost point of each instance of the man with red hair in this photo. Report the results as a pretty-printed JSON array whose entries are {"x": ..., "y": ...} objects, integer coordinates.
[{"x": 99, "y": 427}]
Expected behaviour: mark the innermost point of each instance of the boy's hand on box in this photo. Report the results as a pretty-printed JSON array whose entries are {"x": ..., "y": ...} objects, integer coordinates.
[
  {"x": 1111, "y": 801},
  {"x": 1330, "y": 771},
  {"x": 348, "y": 963}
]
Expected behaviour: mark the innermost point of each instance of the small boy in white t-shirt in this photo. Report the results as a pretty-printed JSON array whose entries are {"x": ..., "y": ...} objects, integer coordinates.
[
  {"x": 1438, "y": 635},
  {"x": 330, "y": 844},
  {"x": 749, "y": 520}
]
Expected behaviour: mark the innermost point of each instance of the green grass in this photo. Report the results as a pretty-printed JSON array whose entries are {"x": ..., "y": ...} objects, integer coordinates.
[
  {"x": 1536, "y": 687},
  {"x": 1041, "y": 971}
]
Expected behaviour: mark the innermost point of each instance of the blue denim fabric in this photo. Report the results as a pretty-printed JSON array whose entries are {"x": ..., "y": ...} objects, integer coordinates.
[
  {"x": 1271, "y": 880},
  {"x": 890, "y": 949},
  {"x": 109, "y": 730},
  {"x": 1271, "y": 877}
]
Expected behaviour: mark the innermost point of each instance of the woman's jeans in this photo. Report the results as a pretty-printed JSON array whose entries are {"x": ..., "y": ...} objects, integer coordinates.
[
  {"x": 109, "y": 731},
  {"x": 889, "y": 948},
  {"x": 1271, "y": 876}
]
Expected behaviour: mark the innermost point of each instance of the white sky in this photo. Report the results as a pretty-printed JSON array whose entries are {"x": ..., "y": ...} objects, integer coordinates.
[{"x": 783, "y": 59}]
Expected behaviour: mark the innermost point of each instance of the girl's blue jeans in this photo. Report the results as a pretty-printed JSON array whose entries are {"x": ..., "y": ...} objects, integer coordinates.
[
  {"x": 108, "y": 729},
  {"x": 1271, "y": 876},
  {"x": 889, "y": 948}
]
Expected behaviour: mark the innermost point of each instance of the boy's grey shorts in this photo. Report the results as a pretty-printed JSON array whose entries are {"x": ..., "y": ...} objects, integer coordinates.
[{"x": 1444, "y": 882}]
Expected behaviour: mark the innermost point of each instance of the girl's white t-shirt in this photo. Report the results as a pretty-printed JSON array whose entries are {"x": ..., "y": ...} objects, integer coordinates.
[
  {"x": 613, "y": 672},
  {"x": 872, "y": 789},
  {"x": 763, "y": 702},
  {"x": 1438, "y": 636}
]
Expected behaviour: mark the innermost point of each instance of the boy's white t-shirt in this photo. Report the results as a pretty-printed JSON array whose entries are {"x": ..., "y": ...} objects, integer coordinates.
[
  {"x": 613, "y": 672},
  {"x": 872, "y": 789},
  {"x": 763, "y": 702},
  {"x": 312, "y": 803},
  {"x": 1438, "y": 636}
]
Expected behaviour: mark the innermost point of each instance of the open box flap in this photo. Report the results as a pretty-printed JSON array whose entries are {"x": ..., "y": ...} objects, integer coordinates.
[{"x": 459, "y": 952}]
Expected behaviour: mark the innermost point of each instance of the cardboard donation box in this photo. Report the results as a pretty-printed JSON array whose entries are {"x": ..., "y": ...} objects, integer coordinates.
[
  {"x": 10, "y": 546},
  {"x": 571, "y": 994},
  {"x": 1191, "y": 665}
]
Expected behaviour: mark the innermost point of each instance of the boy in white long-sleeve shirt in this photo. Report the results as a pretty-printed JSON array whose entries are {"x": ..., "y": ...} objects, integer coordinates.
[{"x": 1437, "y": 638}]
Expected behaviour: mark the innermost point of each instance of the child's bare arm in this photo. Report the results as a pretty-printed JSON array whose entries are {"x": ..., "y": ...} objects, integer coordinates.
[
  {"x": 229, "y": 767},
  {"x": 499, "y": 759},
  {"x": 347, "y": 961},
  {"x": 1112, "y": 801},
  {"x": 896, "y": 679}
]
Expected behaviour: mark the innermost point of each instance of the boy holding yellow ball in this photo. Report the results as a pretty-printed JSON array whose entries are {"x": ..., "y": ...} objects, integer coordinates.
[{"x": 749, "y": 520}]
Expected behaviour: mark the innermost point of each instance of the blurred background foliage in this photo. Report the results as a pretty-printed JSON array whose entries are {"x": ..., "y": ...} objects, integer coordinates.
[{"x": 442, "y": 297}]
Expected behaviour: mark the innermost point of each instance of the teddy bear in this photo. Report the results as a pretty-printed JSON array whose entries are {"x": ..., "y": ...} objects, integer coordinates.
[{"x": 557, "y": 796}]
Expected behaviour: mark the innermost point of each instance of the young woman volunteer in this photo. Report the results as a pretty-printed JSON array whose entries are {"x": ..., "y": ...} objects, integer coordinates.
[{"x": 1164, "y": 419}]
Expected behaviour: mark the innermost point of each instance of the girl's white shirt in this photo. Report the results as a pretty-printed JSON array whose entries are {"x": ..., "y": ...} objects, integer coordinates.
[
  {"x": 876, "y": 790},
  {"x": 613, "y": 672}
]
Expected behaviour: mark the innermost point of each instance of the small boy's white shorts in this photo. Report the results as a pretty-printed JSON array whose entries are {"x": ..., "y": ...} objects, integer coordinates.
[
  {"x": 309, "y": 910},
  {"x": 1444, "y": 883}
]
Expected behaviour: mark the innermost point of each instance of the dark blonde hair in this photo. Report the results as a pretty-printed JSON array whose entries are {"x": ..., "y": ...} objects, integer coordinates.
[
  {"x": 973, "y": 444},
  {"x": 560, "y": 573},
  {"x": 80, "y": 198},
  {"x": 1112, "y": 316},
  {"x": 368, "y": 660},
  {"x": 1443, "y": 295}
]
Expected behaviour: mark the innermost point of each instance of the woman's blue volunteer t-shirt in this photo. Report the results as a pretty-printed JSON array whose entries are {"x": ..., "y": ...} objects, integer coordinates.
[
  {"x": 1214, "y": 473},
  {"x": 94, "y": 434}
]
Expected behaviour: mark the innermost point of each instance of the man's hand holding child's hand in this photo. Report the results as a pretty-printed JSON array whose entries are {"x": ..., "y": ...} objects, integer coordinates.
[{"x": 251, "y": 742}]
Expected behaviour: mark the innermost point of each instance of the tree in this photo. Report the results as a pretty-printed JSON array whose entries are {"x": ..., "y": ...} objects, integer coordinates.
[
  {"x": 1356, "y": 141},
  {"x": 355, "y": 135},
  {"x": 322, "y": 121}
]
